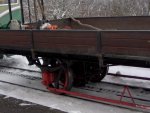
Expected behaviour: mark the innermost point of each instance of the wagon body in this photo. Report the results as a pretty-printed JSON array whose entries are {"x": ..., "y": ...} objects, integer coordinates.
[
  {"x": 109, "y": 23},
  {"x": 119, "y": 40}
]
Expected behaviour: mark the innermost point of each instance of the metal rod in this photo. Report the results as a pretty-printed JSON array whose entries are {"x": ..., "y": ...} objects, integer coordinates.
[
  {"x": 101, "y": 99},
  {"x": 42, "y": 3},
  {"x": 123, "y": 93},
  {"x": 10, "y": 12},
  {"x": 35, "y": 10},
  {"x": 29, "y": 11},
  {"x": 130, "y": 94},
  {"x": 22, "y": 13},
  {"x": 128, "y": 76}
]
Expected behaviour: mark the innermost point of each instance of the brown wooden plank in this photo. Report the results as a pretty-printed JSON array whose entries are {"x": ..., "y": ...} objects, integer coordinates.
[
  {"x": 143, "y": 35},
  {"x": 11, "y": 44},
  {"x": 66, "y": 41},
  {"x": 126, "y": 51},
  {"x": 19, "y": 39},
  {"x": 15, "y": 38},
  {"x": 116, "y": 23},
  {"x": 60, "y": 48},
  {"x": 14, "y": 32},
  {"x": 65, "y": 33},
  {"x": 136, "y": 43},
  {"x": 131, "y": 43}
]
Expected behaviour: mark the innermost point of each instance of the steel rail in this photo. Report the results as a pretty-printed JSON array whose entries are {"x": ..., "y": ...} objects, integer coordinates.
[{"x": 128, "y": 76}]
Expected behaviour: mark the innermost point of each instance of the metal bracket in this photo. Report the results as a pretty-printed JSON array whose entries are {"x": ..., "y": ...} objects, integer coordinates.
[
  {"x": 33, "y": 54},
  {"x": 101, "y": 61}
]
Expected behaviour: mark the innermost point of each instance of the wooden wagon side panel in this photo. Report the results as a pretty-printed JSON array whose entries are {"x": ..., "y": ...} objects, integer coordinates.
[
  {"x": 132, "y": 43},
  {"x": 15, "y": 39},
  {"x": 66, "y": 42},
  {"x": 115, "y": 23}
]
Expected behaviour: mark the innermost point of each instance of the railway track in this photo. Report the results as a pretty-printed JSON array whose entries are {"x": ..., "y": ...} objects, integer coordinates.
[
  {"x": 22, "y": 69},
  {"x": 103, "y": 89},
  {"x": 20, "y": 72}
]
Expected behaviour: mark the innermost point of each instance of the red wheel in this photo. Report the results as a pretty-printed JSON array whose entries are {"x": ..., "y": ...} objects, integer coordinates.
[{"x": 62, "y": 79}]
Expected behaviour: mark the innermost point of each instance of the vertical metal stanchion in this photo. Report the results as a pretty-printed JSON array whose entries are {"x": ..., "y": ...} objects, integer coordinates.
[
  {"x": 22, "y": 13},
  {"x": 35, "y": 10},
  {"x": 42, "y": 3},
  {"x": 29, "y": 11},
  {"x": 10, "y": 12}
]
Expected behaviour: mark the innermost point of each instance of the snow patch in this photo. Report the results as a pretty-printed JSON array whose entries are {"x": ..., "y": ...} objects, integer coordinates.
[
  {"x": 75, "y": 112},
  {"x": 26, "y": 104},
  {"x": 59, "y": 101},
  {"x": 6, "y": 97}
]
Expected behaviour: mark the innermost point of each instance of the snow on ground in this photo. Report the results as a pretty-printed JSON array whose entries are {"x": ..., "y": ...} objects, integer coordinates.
[
  {"x": 17, "y": 61},
  {"x": 64, "y": 103},
  {"x": 144, "y": 72},
  {"x": 132, "y": 71},
  {"x": 71, "y": 105},
  {"x": 26, "y": 104}
]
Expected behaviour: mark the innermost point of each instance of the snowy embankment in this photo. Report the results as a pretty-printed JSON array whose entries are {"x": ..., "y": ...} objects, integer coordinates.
[
  {"x": 64, "y": 103},
  {"x": 7, "y": 11}
]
